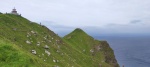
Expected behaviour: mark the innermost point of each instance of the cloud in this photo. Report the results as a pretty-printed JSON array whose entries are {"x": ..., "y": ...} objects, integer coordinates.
[
  {"x": 135, "y": 21},
  {"x": 110, "y": 16}
]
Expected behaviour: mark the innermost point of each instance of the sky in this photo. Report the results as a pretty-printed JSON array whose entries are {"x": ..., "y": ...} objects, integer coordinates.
[{"x": 96, "y": 17}]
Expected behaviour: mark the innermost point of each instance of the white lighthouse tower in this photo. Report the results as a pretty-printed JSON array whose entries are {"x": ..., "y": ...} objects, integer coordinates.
[{"x": 14, "y": 12}]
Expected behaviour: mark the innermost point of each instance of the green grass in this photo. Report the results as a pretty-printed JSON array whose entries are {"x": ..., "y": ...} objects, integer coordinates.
[
  {"x": 13, "y": 56},
  {"x": 82, "y": 42},
  {"x": 64, "y": 52}
]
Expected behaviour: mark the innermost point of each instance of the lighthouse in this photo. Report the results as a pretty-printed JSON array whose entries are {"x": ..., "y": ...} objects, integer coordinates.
[{"x": 14, "y": 12}]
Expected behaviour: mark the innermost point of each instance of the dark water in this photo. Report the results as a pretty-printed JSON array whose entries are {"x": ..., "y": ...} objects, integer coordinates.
[{"x": 130, "y": 51}]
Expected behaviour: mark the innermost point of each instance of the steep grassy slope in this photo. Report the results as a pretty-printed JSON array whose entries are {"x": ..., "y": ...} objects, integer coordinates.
[
  {"x": 29, "y": 44},
  {"x": 12, "y": 56},
  {"x": 98, "y": 51}
]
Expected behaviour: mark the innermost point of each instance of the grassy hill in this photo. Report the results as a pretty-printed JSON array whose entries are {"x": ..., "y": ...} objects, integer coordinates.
[
  {"x": 99, "y": 51},
  {"x": 27, "y": 44}
]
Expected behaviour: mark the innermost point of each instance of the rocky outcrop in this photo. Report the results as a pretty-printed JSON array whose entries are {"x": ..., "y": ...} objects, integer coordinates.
[{"x": 109, "y": 54}]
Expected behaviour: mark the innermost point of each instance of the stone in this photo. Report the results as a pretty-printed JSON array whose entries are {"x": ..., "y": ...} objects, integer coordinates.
[
  {"x": 58, "y": 47},
  {"x": 45, "y": 38},
  {"x": 57, "y": 51},
  {"x": 14, "y": 29},
  {"x": 100, "y": 65},
  {"x": 50, "y": 41},
  {"x": 39, "y": 55},
  {"x": 62, "y": 53},
  {"x": 84, "y": 50},
  {"x": 27, "y": 35},
  {"x": 56, "y": 66},
  {"x": 54, "y": 60},
  {"x": 99, "y": 47},
  {"x": 91, "y": 50},
  {"x": 57, "y": 60},
  {"x": 28, "y": 42},
  {"x": 46, "y": 47},
  {"x": 33, "y": 32},
  {"x": 38, "y": 44},
  {"x": 47, "y": 52},
  {"x": 33, "y": 52},
  {"x": 42, "y": 54}
]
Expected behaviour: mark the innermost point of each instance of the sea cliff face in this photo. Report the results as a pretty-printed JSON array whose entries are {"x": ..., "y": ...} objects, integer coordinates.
[{"x": 25, "y": 43}]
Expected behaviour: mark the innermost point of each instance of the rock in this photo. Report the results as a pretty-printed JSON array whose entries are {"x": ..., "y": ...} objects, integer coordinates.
[
  {"x": 46, "y": 47},
  {"x": 62, "y": 53},
  {"x": 98, "y": 47},
  {"x": 28, "y": 42},
  {"x": 47, "y": 52},
  {"x": 50, "y": 41},
  {"x": 45, "y": 38},
  {"x": 58, "y": 47},
  {"x": 54, "y": 61},
  {"x": 56, "y": 66},
  {"x": 42, "y": 54},
  {"x": 84, "y": 50},
  {"x": 27, "y": 35},
  {"x": 38, "y": 44},
  {"x": 33, "y": 32},
  {"x": 100, "y": 65},
  {"x": 39, "y": 55},
  {"x": 91, "y": 50},
  {"x": 43, "y": 41},
  {"x": 33, "y": 52},
  {"x": 57, "y": 51},
  {"x": 57, "y": 60},
  {"x": 103, "y": 61},
  {"x": 14, "y": 29}
]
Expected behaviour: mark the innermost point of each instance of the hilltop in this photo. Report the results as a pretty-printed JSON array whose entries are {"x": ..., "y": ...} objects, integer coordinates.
[
  {"x": 27, "y": 44},
  {"x": 99, "y": 51}
]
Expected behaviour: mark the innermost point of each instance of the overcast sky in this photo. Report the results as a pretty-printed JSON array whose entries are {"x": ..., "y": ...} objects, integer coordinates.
[{"x": 94, "y": 16}]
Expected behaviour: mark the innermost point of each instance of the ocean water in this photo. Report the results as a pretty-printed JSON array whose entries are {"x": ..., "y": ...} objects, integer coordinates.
[{"x": 130, "y": 51}]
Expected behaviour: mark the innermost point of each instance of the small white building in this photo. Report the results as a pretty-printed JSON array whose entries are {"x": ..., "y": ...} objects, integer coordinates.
[{"x": 14, "y": 11}]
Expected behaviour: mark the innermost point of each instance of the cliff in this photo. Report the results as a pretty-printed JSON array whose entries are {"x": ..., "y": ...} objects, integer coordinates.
[
  {"x": 99, "y": 52},
  {"x": 27, "y": 44}
]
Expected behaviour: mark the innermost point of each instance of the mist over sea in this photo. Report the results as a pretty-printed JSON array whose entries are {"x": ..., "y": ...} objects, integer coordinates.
[{"x": 130, "y": 51}]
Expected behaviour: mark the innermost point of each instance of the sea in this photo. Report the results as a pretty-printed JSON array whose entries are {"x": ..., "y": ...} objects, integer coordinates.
[{"x": 130, "y": 51}]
